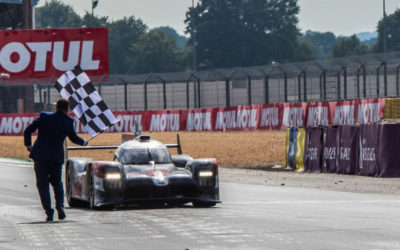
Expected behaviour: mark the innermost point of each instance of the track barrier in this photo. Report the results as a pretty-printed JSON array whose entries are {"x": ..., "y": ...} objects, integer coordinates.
[
  {"x": 301, "y": 137},
  {"x": 366, "y": 150}
]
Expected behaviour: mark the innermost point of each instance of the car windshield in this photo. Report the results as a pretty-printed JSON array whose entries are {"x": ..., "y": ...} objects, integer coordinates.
[{"x": 145, "y": 155}]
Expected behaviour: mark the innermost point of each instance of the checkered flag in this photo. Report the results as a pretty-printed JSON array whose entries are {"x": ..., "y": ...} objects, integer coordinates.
[{"x": 85, "y": 102}]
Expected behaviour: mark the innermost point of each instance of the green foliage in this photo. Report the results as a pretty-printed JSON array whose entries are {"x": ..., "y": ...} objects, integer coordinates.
[
  {"x": 321, "y": 43},
  {"x": 349, "y": 46},
  {"x": 55, "y": 14},
  {"x": 305, "y": 51},
  {"x": 393, "y": 33},
  {"x": 180, "y": 40},
  {"x": 242, "y": 33},
  {"x": 156, "y": 51},
  {"x": 93, "y": 21},
  {"x": 121, "y": 35}
]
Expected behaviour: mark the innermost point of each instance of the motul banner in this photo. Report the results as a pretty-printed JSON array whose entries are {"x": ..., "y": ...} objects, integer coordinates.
[
  {"x": 238, "y": 118},
  {"x": 45, "y": 53}
]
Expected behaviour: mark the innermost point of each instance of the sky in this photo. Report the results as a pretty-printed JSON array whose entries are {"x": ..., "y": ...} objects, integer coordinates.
[{"x": 342, "y": 17}]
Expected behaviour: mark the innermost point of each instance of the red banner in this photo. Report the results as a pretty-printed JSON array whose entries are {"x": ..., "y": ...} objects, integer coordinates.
[
  {"x": 45, "y": 53},
  {"x": 238, "y": 118}
]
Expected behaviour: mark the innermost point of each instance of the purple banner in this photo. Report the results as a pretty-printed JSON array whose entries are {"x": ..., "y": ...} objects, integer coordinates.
[
  {"x": 369, "y": 143},
  {"x": 330, "y": 149},
  {"x": 313, "y": 148},
  {"x": 348, "y": 155},
  {"x": 388, "y": 153}
]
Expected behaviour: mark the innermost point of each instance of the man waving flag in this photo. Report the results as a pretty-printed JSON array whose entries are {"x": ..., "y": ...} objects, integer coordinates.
[{"x": 85, "y": 101}]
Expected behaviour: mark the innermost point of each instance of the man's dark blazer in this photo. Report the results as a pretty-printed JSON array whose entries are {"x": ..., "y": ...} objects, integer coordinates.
[{"x": 53, "y": 128}]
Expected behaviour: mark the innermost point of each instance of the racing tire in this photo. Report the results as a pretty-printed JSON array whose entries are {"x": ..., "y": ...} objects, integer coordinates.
[
  {"x": 91, "y": 191},
  {"x": 72, "y": 202},
  {"x": 203, "y": 204}
]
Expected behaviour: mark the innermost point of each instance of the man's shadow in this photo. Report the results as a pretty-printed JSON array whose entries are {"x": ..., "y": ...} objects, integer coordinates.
[{"x": 46, "y": 222}]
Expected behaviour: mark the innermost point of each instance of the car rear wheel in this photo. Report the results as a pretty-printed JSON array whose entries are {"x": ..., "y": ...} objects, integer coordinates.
[
  {"x": 71, "y": 201},
  {"x": 203, "y": 204}
]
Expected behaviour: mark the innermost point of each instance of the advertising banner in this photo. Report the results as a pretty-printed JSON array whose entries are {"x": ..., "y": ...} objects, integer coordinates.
[
  {"x": 292, "y": 148},
  {"x": 348, "y": 150},
  {"x": 389, "y": 144},
  {"x": 369, "y": 143},
  {"x": 312, "y": 152},
  {"x": 44, "y": 53},
  {"x": 237, "y": 118},
  {"x": 330, "y": 149},
  {"x": 301, "y": 137}
]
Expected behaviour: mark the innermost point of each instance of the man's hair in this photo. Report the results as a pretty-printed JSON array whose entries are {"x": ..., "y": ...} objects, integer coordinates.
[{"x": 62, "y": 105}]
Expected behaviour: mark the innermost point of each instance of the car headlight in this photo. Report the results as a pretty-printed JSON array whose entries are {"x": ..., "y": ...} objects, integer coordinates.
[
  {"x": 207, "y": 173},
  {"x": 113, "y": 176}
]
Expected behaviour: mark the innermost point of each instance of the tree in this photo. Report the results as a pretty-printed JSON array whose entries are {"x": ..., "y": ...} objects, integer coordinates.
[
  {"x": 349, "y": 46},
  {"x": 392, "y": 33},
  {"x": 304, "y": 51},
  {"x": 321, "y": 43},
  {"x": 56, "y": 14},
  {"x": 242, "y": 33},
  {"x": 180, "y": 40},
  {"x": 156, "y": 51},
  {"x": 94, "y": 21},
  {"x": 121, "y": 35}
]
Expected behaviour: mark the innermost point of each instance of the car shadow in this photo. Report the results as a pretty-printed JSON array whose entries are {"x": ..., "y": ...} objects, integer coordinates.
[{"x": 134, "y": 207}]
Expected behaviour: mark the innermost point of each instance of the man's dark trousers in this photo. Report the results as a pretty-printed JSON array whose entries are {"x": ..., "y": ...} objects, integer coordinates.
[{"x": 49, "y": 172}]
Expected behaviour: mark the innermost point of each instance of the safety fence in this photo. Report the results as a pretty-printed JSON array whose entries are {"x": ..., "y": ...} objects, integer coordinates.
[
  {"x": 367, "y": 149},
  {"x": 368, "y": 76}
]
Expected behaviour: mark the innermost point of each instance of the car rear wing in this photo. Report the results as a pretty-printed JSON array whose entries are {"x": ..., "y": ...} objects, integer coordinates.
[{"x": 177, "y": 146}]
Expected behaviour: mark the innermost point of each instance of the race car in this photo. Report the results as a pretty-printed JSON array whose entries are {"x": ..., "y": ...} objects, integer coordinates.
[{"x": 143, "y": 172}]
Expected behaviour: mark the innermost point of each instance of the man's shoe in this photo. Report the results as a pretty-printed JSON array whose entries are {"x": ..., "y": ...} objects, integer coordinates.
[
  {"x": 61, "y": 214},
  {"x": 50, "y": 215}
]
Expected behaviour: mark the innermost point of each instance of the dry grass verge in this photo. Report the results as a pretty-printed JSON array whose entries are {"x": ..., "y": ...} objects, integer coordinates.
[{"x": 229, "y": 148}]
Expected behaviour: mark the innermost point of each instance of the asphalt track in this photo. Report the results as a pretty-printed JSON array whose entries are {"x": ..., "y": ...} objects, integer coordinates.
[{"x": 250, "y": 217}]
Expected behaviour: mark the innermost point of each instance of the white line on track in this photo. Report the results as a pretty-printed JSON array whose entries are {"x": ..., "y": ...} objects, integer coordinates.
[
  {"x": 310, "y": 202},
  {"x": 16, "y": 163}
]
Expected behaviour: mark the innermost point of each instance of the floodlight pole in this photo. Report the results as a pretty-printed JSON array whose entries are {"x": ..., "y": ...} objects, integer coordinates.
[
  {"x": 27, "y": 14},
  {"x": 384, "y": 28},
  {"x": 194, "y": 37}
]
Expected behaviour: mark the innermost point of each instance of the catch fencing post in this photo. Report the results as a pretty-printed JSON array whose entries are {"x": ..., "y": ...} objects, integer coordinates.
[
  {"x": 377, "y": 79},
  {"x": 301, "y": 74},
  {"x": 299, "y": 86},
  {"x": 187, "y": 94},
  {"x": 266, "y": 88},
  {"x": 125, "y": 93},
  {"x": 164, "y": 94},
  {"x": 322, "y": 82},
  {"x": 285, "y": 81},
  {"x": 365, "y": 81},
  {"x": 344, "y": 81},
  {"x": 145, "y": 91},
  {"x": 305, "y": 85},
  {"x": 40, "y": 93},
  {"x": 266, "y": 85},
  {"x": 397, "y": 79},
  {"x": 48, "y": 94},
  {"x": 198, "y": 94},
  {"x": 249, "y": 89},
  {"x": 385, "y": 78},
  {"x": 227, "y": 93}
]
